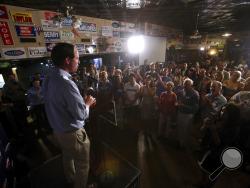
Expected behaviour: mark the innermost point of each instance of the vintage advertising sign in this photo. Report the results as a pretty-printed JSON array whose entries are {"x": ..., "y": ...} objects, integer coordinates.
[
  {"x": 37, "y": 51},
  {"x": 116, "y": 33},
  {"x": 49, "y": 15},
  {"x": 51, "y": 35},
  {"x": 131, "y": 27},
  {"x": 50, "y": 46},
  {"x": 80, "y": 48},
  {"x": 48, "y": 25},
  {"x": 115, "y": 25},
  {"x": 25, "y": 31},
  {"x": 3, "y": 13},
  {"x": 67, "y": 35},
  {"x": 13, "y": 53},
  {"x": 67, "y": 22},
  {"x": 107, "y": 31},
  {"x": 123, "y": 26},
  {"x": 5, "y": 33},
  {"x": 21, "y": 17},
  {"x": 87, "y": 27}
]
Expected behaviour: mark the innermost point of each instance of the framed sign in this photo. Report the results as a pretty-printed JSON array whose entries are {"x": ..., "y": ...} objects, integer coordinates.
[
  {"x": 107, "y": 31},
  {"x": 51, "y": 35},
  {"x": 37, "y": 51},
  {"x": 67, "y": 35},
  {"x": 5, "y": 33},
  {"x": 87, "y": 27},
  {"x": 14, "y": 53},
  {"x": 25, "y": 31},
  {"x": 21, "y": 17},
  {"x": 49, "y": 25}
]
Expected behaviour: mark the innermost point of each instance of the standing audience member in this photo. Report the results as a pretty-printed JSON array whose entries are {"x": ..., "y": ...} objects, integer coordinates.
[
  {"x": 167, "y": 108},
  {"x": 13, "y": 92},
  {"x": 147, "y": 105},
  {"x": 104, "y": 92},
  {"x": 67, "y": 112},
  {"x": 131, "y": 98},
  {"x": 233, "y": 85},
  {"x": 36, "y": 103},
  {"x": 188, "y": 105}
]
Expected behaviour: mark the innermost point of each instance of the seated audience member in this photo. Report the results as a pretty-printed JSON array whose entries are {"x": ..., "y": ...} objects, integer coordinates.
[{"x": 167, "y": 108}]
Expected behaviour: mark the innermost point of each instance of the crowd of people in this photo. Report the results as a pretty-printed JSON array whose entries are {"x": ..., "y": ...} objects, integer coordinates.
[{"x": 161, "y": 96}]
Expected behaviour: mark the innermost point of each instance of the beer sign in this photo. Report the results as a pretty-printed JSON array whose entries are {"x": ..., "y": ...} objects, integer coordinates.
[
  {"x": 21, "y": 17},
  {"x": 51, "y": 35},
  {"x": 14, "y": 53},
  {"x": 37, "y": 51}
]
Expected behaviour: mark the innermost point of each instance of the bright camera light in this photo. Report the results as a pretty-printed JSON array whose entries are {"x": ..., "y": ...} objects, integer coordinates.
[
  {"x": 90, "y": 49},
  {"x": 136, "y": 44},
  {"x": 227, "y": 35},
  {"x": 212, "y": 52},
  {"x": 202, "y": 48}
]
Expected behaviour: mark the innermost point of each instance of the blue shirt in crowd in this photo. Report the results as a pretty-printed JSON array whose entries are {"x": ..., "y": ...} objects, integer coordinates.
[{"x": 64, "y": 105}]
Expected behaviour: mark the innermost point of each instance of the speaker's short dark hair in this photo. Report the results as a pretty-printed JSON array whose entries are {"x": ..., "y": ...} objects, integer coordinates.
[{"x": 62, "y": 51}]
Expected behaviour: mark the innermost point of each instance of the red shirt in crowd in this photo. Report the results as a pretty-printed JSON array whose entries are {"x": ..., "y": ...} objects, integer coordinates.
[{"x": 167, "y": 103}]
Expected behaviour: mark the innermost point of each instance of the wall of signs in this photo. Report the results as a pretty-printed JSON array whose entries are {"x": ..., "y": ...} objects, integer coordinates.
[{"x": 29, "y": 33}]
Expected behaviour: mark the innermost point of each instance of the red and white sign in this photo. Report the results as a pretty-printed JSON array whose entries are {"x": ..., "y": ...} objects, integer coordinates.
[
  {"x": 25, "y": 31},
  {"x": 49, "y": 15},
  {"x": 3, "y": 12},
  {"x": 5, "y": 33}
]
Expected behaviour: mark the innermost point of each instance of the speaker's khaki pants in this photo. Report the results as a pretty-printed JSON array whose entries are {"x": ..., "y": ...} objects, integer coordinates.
[{"x": 75, "y": 149}]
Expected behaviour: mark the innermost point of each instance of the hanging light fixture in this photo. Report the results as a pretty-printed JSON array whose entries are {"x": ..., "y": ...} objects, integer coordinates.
[{"x": 196, "y": 34}]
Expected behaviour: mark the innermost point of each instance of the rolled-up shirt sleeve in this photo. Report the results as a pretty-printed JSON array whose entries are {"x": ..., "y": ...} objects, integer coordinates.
[{"x": 75, "y": 104}]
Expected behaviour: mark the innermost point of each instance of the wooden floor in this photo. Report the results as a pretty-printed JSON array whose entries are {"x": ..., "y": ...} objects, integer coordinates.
[{"x": 161, "y": 162}]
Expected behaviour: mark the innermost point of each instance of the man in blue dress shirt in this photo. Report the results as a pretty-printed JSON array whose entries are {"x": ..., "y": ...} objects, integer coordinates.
[{"x": 67, "y": 112}]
